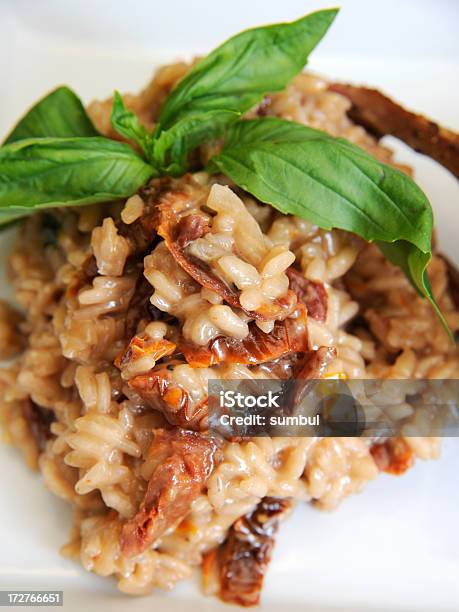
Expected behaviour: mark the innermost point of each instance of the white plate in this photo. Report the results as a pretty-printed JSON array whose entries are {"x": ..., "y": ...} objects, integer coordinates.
[{"x": 396, "y": 546}]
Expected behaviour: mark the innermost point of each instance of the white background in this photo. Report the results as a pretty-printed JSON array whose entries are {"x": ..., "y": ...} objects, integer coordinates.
[{"x": 397, "y": 545}]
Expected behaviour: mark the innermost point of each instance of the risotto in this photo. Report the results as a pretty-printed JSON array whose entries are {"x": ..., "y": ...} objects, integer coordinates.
[{"x": 125, "y": 311}]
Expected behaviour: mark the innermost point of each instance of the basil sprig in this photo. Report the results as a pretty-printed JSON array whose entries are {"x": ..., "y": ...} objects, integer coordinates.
[
  {"x": 222, "y": 86},
  {"x": 55, "y": 157},
  {"x": 60, "y": 114},
  {"x": 335, "y": 184}
]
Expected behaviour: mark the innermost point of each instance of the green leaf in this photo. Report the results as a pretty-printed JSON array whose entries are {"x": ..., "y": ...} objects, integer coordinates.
[
  {"x": 334, "y": 184},
  {"x": 171, "y": 148},
  {"x": 52, "y": 172},
  {"x": 59, "y": 114},
  {"x": 128, "y": 125},
  {"x": 414, "y": 264},
  {"x": 238, "y": 73},
  {"x": 300, "y": 170},
  {"x": 235, "y": 76}
]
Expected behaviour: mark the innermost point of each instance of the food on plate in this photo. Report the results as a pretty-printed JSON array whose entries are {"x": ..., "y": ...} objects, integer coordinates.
[{"x": 234, "y": 220}]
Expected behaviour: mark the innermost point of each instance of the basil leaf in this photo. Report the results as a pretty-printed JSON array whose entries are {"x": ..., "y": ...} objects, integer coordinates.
[
  {"x": 334, "y": 184},
  {"x": 59, "y": 114},
  {"x": 51, "y": 172},
  {"x": 301, "y": 171},
  {"x": 128, "y": 125},
  {"x": 171, "y": 148},
  {"x": 236, "y": 75},
  {"x": 414, "y": 264}
]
